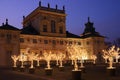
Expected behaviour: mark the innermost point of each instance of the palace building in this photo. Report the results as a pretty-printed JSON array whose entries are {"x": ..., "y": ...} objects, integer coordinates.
[{"x": 45, "y": 29}]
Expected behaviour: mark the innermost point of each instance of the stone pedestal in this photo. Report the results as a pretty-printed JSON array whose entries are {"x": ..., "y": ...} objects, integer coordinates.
[
  {"x": 48, "y": 71},
  {"x": 14, "y": 68},
  {"x": 82, "y": 69},
  {"x": 76, "y": 75},
  {"x": 22, "y": 69},
  {"x": 61, "y": 68},
  {"x": 31, "y": 70},
  {"x": 111, "y": 71}
]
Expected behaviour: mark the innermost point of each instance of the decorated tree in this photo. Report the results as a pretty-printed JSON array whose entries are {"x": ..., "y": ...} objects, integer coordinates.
[
  {"x": 48, "y": 57},
  {"x": 32, "y": 56},
  {"x": 94, "y": 57},
  {"x": 15, "y": 58},
  {"x": 61, "y": 57},
  {"x": 111, "y": 53},
  {"x": 73, "y": 54},
  {"x": 82, "y": 55},
  {"x": 38, "y": 60},
  {"x": 22, "y": 58},
  {"x": 105, "y": 57},
  {"x": 56, "y": 57}
]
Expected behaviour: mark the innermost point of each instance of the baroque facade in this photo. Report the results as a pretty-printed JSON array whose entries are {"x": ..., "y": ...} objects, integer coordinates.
[{"x": 45, "y": 29}]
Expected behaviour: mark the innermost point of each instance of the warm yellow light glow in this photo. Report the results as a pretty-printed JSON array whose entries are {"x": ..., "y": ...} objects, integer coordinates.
[
  {"x": 94, "y": 57},
  {"x": 111, "y": 53},
  {"x": 32, "y": 56},
  {"x": 14, "y": 58},
  {"x": 48, "y": 57}
]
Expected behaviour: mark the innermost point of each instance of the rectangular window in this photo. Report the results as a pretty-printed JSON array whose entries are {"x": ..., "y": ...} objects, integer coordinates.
[
  {"x": 60, "y": 29},
  {"x": 54, "y": 42},
  {"x": 44, "y": 28},
  {"x": 61, "y": 42},
  {"x": 22, "y": 40},
  {"x": 53, "y": 28},
  {"x": 45, "y": 41},
  {"x": 79, "y": 43},
  {"x": 34, "y": 41},
  {"x": 70, "y": 42}
]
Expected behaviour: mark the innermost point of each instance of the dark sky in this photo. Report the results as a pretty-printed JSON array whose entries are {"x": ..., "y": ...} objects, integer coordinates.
[{"x": 104, "y": 13}]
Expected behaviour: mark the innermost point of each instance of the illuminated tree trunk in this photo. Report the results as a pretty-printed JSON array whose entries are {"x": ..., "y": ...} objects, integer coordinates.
[
  {"x": 22, "y": 64},
  {"x": 31, "y": 64},
  {"x": 75, "y": 65},
  {"x": 72, "y": 62},
  {"x": 94, "y": 61},
  {"x": 110, "y": 62},
  {"x": 48, "y": 64},
  {"x": 14, "y": 65},
  {"x": 81, "y": 63},
  {"x": 105, "y": 60},
  {"x": 57, "y": 62},
  {"x": 116, "y": 59},
  {"x": 38, "y": 63},
  {"x": 61, "y": 64}
]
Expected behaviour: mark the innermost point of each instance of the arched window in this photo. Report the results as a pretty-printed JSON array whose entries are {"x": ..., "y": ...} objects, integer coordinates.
[{"x": 60, "y": 29}]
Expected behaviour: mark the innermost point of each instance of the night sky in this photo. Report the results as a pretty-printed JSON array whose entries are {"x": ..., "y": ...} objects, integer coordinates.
[{"x": 104, "y": 13}]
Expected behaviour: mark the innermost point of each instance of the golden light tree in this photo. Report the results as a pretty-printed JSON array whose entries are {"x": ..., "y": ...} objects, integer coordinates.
[
  {"x": 15, "y": 58},
  {"x": 94, "y": 57},
  {"x": 61, "y": 56},
  {"x": 22, "y": 58},
  {"x": 56, "y": 57},
  {"x": 82, "y": 54},
  {"x": 105, "y": 57},
  {"x": 116, "y": 54},
  {"x": 73, "y": 54},
  {"x": 32, "y": 56},
  {"x": 38, "y": 60},
  {"x": 72, "y": 58},
  {"x": 111, "y": 53},
  {"x": 48, "y": 57}
]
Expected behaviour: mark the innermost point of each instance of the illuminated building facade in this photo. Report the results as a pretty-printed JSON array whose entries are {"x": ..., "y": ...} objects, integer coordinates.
[{"x": 45, "y": 29}]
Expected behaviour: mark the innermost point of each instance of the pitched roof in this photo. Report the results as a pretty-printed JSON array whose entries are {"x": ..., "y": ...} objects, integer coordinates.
[
  {"x": 8, "y": 27},
  {"x": 89, "y": 30},
  {"x": 29, "y": 30},
  {"x": 91, "y": 35},
  {"x": 71, "y": 35}
]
